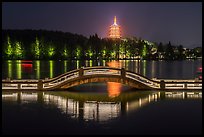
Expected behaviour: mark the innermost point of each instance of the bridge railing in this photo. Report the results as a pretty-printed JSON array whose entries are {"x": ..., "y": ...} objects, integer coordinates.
[
  {"x": 75, "y": 74},
  {"x": 105, "y": 71},
  {"x": 183, "y": 86},
  {"x": 62, "y": 75},
  {"x": 9, "y": 86},
  {"x": 50, "y": 83},
  {"x": 142, "y": 79},
  {"x": 61, "y": 80}
]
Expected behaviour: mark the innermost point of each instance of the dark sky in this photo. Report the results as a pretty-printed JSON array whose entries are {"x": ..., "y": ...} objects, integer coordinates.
[{"x": 180, "y": 23}]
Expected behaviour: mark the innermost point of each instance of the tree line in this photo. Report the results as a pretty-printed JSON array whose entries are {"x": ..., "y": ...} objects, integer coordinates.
[{"x": 43, "y": 44}]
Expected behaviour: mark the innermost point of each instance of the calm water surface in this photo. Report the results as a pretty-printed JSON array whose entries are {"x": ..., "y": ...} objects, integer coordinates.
[
  {"x": 20, "y": 69},
  {"x": 101, "y": 108},
  {"x": 93, "y": 112}
]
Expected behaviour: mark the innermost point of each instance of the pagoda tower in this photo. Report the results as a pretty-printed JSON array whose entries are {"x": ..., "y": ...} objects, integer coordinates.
[{"x": 115, "y": 30}]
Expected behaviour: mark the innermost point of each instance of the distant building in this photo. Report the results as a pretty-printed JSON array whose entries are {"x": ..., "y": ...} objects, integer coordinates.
[{"x": 115, "y": 30}]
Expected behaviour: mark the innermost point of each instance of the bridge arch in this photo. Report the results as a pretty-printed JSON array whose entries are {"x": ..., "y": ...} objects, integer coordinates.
[{"x": 100, "y": 74}]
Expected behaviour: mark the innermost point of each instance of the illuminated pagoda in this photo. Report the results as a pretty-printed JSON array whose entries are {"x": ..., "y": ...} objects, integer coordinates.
[{"x": 115, "y": 30}]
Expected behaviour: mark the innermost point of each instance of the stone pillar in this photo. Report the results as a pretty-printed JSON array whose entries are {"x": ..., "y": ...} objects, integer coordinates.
[
  {"x": 40, "y": 84},
  {"x": 162, "y": 84},
  {"x": 19, "y": 86},
  {"x": 81, "y": 72},
  {"x": 123, "y": 73},
  {"x": 185, "y": 85}
]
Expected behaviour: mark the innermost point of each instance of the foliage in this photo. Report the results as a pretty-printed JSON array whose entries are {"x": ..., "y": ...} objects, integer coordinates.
[{"x": 42, "y": 44}]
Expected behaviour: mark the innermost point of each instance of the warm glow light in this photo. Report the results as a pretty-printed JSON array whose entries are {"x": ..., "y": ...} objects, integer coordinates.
[
  {"x": 115, "y": 20},
  {"x": 115, "y": 30},
  {"x": 113, "y": 88}
]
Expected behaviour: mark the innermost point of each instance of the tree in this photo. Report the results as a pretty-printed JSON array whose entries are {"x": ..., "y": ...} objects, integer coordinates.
[
  {"x": 144, "y": 51},
  {"x": 36, "y": 48},
  {"x": 8, "y": 49},
  {"x": 160, "y": 48},
  {"x": 18, "y": 50},
  {"x": 180, "y": 52},
  {"x": 51, "y": 51},
  {"x": 169, "y": 53},
  {"x": 66, "y": 52},
  {"x": 78, "y": 52}
]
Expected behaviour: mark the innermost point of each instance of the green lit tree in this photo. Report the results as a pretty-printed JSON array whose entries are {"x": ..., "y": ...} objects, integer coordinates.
[
  {"x": 8, "y": 49},
  {"x": 68, "y": 51},
  {"x": 104, "y": 52},
  {"x": 36, "y": 48},
  {"x": 122, "y": 50},
  {"x": 51, "y": 51},
  {"x": 18, "y": 50},
  {"x": 89, "y": 52},
  {"x": 78, "y": 52},
  {"x": 144, "y": 51}
]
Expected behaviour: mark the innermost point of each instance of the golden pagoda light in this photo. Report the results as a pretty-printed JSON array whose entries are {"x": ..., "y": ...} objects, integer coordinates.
[{"x": 115, "y": 30}]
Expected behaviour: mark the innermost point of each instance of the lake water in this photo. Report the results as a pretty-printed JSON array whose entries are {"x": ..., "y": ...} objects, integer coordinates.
[
  {"x": 102, "y": 108},
  {"x": 19, "y": 69}
]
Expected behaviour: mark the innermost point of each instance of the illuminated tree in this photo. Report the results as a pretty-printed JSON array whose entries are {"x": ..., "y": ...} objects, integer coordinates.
[
  {"x": 18, "y": 50},
  {"x": 89, "y": 52},
  {"x": 36, "y": 48},
  {"x": 9, "y": 49},
  {"x": 144, "y": 51},
  {"x": 122, "y": 50},
  {"x": 66, "y": 52},
  {"x": 51, "y": 51},
  {"x": 103, "y": 52},
  {"x": 113, "y": 54},
  {"x": 78, "y": 52}
]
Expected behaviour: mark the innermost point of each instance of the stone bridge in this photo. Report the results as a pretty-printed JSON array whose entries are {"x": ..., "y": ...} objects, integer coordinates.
[{"x": 99, "y": 74}]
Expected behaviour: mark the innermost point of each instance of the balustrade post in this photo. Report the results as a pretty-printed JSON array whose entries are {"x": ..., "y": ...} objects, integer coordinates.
[
  {"x": 185, "y": 85},
  {"x": 81, "y": 72},
  {"x": 123, "y": 73},
  {"x": 19, "y": 86},
  {"x": 162, "y": 84},
  {"x": 40, "y": 84}
]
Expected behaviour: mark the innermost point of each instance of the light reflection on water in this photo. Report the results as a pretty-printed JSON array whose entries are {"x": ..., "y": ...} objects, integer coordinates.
[
  {"x": 35, "y": 69},
  {"x": 98, "y": 110},
  {"x": 113, "y": 88}
]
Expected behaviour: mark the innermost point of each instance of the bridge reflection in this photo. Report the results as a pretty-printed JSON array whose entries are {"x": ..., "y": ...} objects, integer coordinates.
[
  {"x": 183, "y": 95},
  {"x": 136, "y": 104},
  {"x": 66, "y": 105},
  {"x": 95, "y": 110}
]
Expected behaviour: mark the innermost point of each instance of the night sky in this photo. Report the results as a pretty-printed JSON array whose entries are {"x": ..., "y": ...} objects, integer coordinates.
[{"x": 180, "y": 23}]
